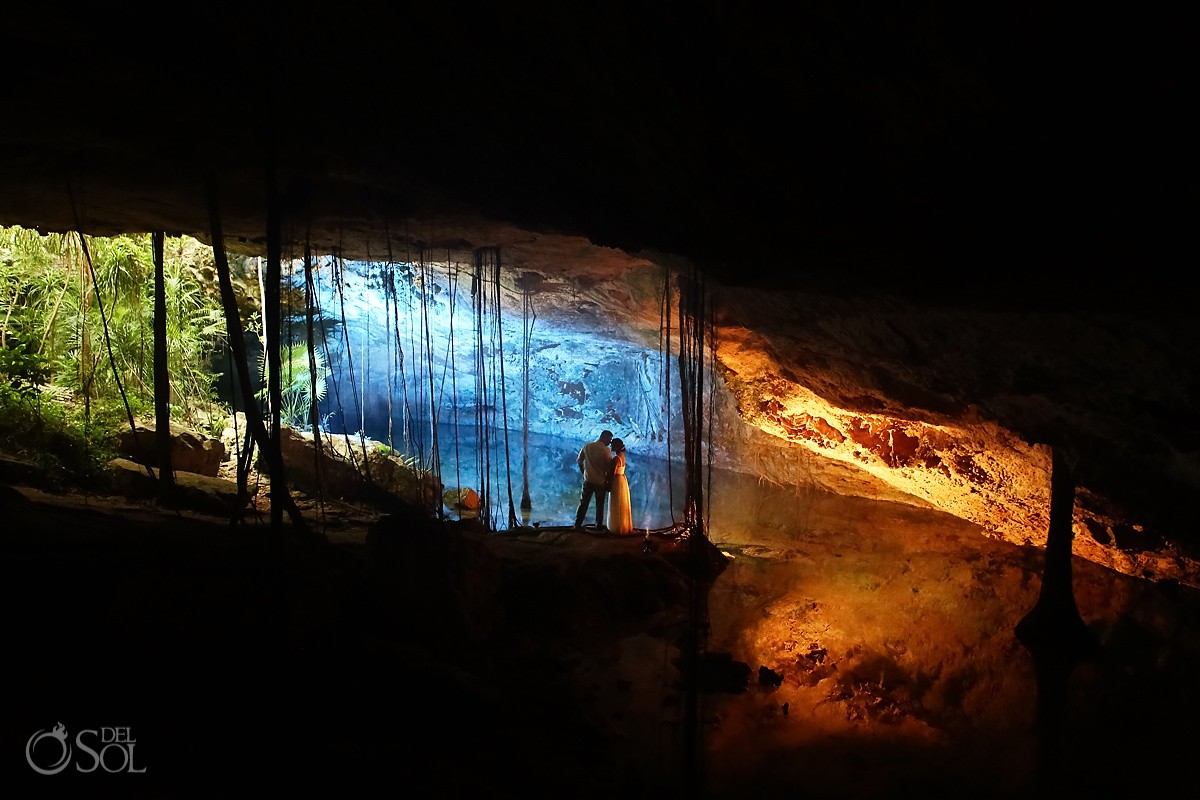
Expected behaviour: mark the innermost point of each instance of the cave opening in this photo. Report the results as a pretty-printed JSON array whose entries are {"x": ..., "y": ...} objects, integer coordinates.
[{"x": 490, "y": 379}]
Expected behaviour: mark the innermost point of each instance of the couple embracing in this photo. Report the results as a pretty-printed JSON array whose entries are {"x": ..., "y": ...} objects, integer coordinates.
[{"x": 602, "y": 464}]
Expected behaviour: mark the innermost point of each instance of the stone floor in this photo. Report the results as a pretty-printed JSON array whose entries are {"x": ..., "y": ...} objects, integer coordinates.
[{"x": 853, "y": 649}]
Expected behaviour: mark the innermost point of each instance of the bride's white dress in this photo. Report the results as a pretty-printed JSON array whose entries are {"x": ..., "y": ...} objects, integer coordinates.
[{"x": 620, "y": 511}]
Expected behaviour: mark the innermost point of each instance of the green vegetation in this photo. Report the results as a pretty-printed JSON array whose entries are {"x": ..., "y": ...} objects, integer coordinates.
[
  {"x": 76, "y": 341},
  {"x": 296, "y": 384},
  {"x": 77, "y": 353}
]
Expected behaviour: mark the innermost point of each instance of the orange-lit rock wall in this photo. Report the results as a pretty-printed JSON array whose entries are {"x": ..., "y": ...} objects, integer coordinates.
[{"x": 815, "y": 411}]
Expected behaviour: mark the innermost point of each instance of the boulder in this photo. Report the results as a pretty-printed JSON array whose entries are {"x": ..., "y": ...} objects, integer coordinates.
[
  {"x": 190, "y": 451},
  {"x": 199, "y": 492},
  {"x": 352, "y": 470}
]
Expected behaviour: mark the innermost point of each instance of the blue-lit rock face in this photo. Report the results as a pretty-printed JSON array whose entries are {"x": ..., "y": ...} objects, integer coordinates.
[
  {"x": 510, "y": 389},
  {"x": 438, "y": 346}
]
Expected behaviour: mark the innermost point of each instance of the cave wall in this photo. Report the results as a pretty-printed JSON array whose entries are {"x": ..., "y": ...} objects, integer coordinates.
[{"x": 895, "y": 402}]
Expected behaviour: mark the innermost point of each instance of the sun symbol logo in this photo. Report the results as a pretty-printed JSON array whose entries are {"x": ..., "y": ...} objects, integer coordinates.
[{"x": 57, "y": 734}]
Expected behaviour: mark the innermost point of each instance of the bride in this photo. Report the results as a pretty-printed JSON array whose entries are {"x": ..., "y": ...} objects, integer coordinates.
[{"x": 620, "y": 512}]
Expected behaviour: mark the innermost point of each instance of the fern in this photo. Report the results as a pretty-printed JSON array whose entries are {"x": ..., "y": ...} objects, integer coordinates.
[{"x": 296, "y": 384}]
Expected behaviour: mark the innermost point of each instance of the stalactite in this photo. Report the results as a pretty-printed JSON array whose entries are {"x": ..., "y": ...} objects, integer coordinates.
[
  {"x": 1053, "y": 631},
  {"x": 325, "y": 351},
  {"x": 314, "y": 411},
  {"x": 417, "y": 353},
  {"x": 104, "y": 324},
  {"x": 267, "y": 357},
  {"x": 386, "y": 277},
  {"x": 366, "y": 365},
  {"x": 291, "y": 316},
  {"x": 711, "y": 410},
  {"x": 447, "y": 355},
  {"x": 395, "y": 348},
  {"x": 233, "y": 326},
  {"x": 691, "y": 347},
  {"x": 528, "y": 318},
  {"x": 665, "y": 372},
  {"x": 435, "y": 460},
  {"x": 489, "y": 340},
  {"x": 162, "y": 374},
  {"x": 478, "y": 293},
  {"x": 271, "y": 327},
  {"x": 512, "y": 512},
  {"x": 339, "y": 285},
  {"x": 452, "y": 277},
  {"x": 697, "y": 341},
  {"x": 695, "y": 320}
]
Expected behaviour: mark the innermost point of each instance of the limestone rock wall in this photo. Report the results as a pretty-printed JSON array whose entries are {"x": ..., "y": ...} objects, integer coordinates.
[{"x": 942, "y": 406}]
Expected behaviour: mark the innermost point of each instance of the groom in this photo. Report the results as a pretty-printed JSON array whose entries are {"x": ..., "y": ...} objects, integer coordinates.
[{"x": 594, "y": 458}]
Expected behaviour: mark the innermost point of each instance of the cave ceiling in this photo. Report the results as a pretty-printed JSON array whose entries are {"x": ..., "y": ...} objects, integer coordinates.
[
  {"x": 932, "y": 152},
  {"x": 912, "y": 209}
]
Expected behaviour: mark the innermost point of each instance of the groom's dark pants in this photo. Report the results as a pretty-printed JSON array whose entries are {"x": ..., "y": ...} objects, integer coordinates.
[{"x": 589, "y": 489}]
